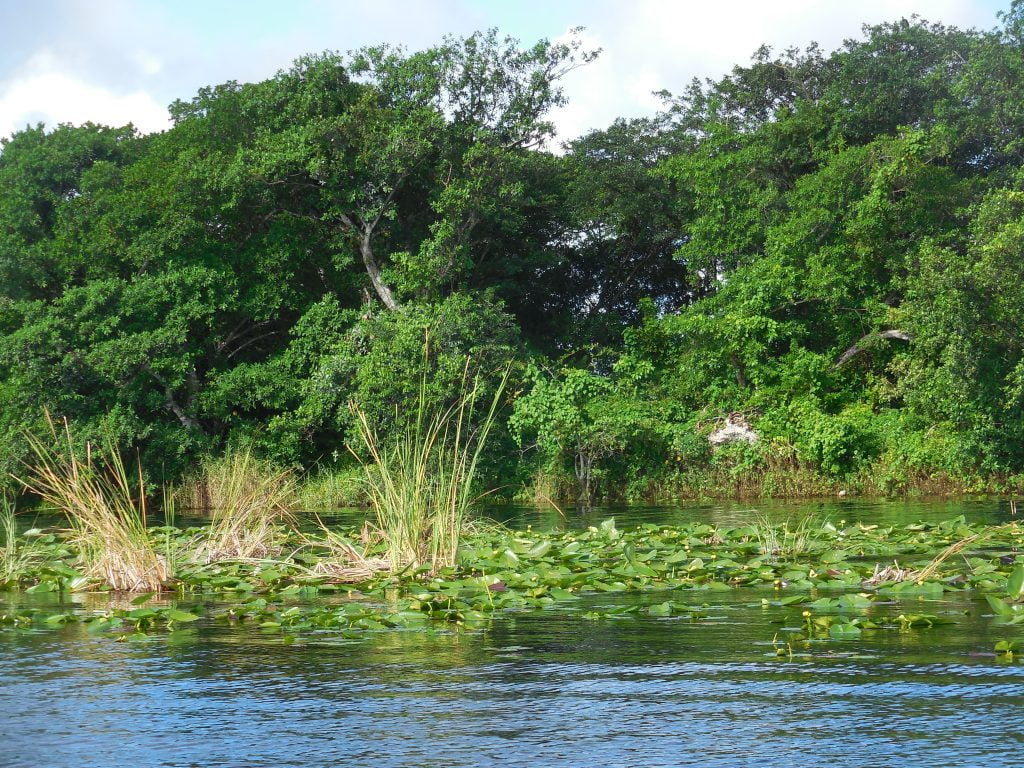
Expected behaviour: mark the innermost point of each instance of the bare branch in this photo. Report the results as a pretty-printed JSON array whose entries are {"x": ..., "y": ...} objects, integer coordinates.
[{"x": 857, "y": 348}]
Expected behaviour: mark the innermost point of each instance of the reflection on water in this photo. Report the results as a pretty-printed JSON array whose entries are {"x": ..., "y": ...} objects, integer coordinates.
[
  {"x": 725, "y": 513},
  {"x": 732, "y": 513},
  {"x": 533, "y": 688}
]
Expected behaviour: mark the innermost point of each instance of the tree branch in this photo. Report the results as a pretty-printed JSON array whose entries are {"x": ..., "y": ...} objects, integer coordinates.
[
  {"x": 857, "y": 348},
  {"x": 172, "y": 404}
]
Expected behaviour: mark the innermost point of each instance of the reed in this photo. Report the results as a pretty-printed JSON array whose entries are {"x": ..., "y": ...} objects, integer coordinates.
[
  {"x": 340, "y": 559},
  {"x": 326, "y": 490},
  {"x": 931, "y": 570},
  {"x": 107, "y": 517},
  {"x": 15, "y": 556},
  {"x": 248, "y": 500},
  {"x": 780, "y": 541},
  {"x": 420, "y": 484}
]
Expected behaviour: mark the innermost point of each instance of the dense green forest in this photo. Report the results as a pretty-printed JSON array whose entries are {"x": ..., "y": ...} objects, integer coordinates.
[{"x": 830, "y": 244}]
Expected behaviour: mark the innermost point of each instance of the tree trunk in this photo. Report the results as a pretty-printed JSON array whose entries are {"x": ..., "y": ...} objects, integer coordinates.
[
  {"x": 171, "y": 402},
  {"x": 383, "y": 291},
  {"x": 741, "y": 371},
  {"x": 584, "y": 465}
]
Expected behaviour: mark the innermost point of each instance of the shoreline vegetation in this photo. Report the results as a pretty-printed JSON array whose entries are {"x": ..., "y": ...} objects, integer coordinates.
[
  {"x": 426, "y": 562},
  {"x": 834, "y": 581},
  {"x": 371, "y": 278},
  {"x": 820, "y": 254}
]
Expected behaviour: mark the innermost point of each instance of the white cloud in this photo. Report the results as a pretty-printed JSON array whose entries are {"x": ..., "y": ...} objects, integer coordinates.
[
  {"x": 651, "y": 45},
  {"x": 43, "y": 91},
  {"x": 115, "y": 61},
  {"x": 149, "y": 63}
]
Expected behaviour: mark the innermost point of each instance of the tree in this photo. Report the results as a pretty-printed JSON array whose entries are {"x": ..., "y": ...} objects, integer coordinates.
[
  {"x": 619, "y": 234},
  {"x": 407, "y": 153}
]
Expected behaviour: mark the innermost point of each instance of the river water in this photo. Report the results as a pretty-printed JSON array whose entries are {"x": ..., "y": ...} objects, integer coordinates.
[{"x": 541, "y": 688}]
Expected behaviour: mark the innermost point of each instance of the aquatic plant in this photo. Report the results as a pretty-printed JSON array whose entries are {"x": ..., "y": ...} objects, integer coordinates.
[
  {"x": 326, "y": 490},
  {"x": 682, "y": 567},
  {"x": 339, "y": 558},
  {"x": 420, "y": 483},
  {"x": 1010, "y": 605},
  {"x": 107, "y": 515},
  {"x": 16, "y": 555},
  {"x": 248, "y": 499},
  {"x": 932, "y": 569},
  {"x": 780, "y": 540}
]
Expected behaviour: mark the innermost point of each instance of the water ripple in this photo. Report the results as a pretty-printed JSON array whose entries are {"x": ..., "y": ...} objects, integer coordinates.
[{"x": 534, "y": 690}]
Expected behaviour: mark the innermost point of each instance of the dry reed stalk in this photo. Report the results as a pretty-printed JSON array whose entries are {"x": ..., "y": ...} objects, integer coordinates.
[
  {"x": 107, "y": 518},
  {"x": 890, "y": 573},
  {"x": 354, "y": 573},
  {"x": 248, "y": 501},
  {"x": 930, "y": 570},
  {"x": 343, "y": 562}
]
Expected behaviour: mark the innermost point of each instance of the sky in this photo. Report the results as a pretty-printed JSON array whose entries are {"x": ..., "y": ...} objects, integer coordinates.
[{"x": 121, "y": 61}]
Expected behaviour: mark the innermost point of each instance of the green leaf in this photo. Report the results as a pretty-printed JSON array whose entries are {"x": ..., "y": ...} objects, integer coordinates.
[
  {"x": 661, "y": 609},
  {"x": 509, "y": 559},
  {"x": 854, "y": 601},
  {"x": 834, "y": 556},
  {"x": 1015, "y": 583},
  {"x": 180, "y": 616},
  {"x": 1000, "y": 606},
  {"x": 629, "y": 552},
  {"x": 539, "y": 549},
  {"x": 844, "y": 631}
]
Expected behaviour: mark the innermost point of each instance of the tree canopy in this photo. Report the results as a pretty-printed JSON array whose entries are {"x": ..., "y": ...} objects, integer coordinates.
[{"x": 829, "y": 243}]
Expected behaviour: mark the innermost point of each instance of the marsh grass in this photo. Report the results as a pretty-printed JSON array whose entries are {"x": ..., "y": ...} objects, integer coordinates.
[
  {"x": 326, "y": 490},
  {"x": 421, "y": 482},
  {"x": 340, "y": 559},
  {"x": 931, "y": 570},
  {"x": 107, "y": 515},
  {"x": 785, "y": 541},
  {"x": 16, "y": 556},
  {"x": 248, "y": 501}
]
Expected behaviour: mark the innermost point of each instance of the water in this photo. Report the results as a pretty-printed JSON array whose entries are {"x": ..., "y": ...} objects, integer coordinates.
[
  {"x": 531, "y": 689},
  {"x": 731, "y": 513},
  {"x": 726, "y": 513}
]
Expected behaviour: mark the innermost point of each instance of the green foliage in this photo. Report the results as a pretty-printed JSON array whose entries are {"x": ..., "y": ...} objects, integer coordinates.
[
  {"x": 587, "y": 420},
  {"x": 422, "y": 483},
  {"x": 324, "y": 490},
  {"x": 386, "y": 361},
  {"x": 829, "y": 243}
]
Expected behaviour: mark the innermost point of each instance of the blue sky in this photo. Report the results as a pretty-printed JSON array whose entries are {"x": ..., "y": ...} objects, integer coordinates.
[{"x": 115, "y": 61}]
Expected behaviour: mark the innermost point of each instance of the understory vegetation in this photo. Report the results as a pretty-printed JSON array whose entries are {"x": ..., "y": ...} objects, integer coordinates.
[{"x": 828, "y": 246}]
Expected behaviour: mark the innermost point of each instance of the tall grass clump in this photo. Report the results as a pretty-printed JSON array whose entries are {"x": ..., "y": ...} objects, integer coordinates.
[
  {"x": 420, "y": 482},
  {"x": 107, "y": 516},
  {"x": 247, "y": 499},
  {"x": 15, "y": 556},
  {"x": 326, "y": 490},
  {"x": 780, "y": 541}
]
